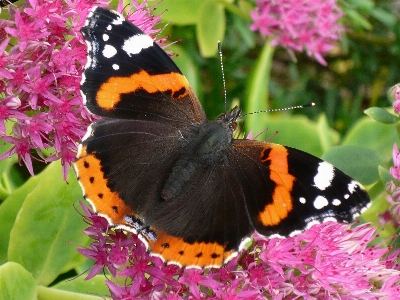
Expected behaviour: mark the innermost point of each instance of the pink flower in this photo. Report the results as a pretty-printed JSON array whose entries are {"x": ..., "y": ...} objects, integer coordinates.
[
  {"x": 4, "y": 73},
  {"x": 40, "y": 76},
  {"x": 328, "y": 259},
  {"x": 392, "y": 215},
  {"x": 26, "y": 30},
  {"x": 395, "y": 170},
  {"x": 394, "y": 94},
  {"x": 312, "y": 26}
]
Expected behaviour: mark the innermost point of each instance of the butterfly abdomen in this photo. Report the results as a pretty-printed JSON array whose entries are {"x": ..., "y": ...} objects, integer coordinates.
[{"x": 180, "y": 176}]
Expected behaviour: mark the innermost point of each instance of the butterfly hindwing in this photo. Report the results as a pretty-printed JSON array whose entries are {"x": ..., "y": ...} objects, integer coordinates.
[
  {"x": 212, "y": 222},
  {"x": 105, "y": 165}
]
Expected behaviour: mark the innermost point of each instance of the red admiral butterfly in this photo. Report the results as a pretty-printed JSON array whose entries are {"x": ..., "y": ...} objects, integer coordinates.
[{"x": 155, "y": 165}]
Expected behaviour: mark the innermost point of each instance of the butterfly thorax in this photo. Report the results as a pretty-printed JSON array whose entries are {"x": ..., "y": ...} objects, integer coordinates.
[{"x": 206, "y": 149}]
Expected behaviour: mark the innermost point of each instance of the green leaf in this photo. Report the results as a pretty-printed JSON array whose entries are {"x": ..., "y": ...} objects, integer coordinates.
[
  {"x": 246, "y": 36},
  {"x": 246, "y": 7},
  {"x": 365, "y": 5},
  {"x": 16, "y": 282},
  {"x": 375, "y": 191},
  {"x": 358, "y": 162},
  {"x": 384, "y": 175},
  {"x": 9, "y": 210},
  {"x": 48, "y": 227},
  {"x": 95, "y": 285},
  {"x": 46, "y": 293},
  {"x": 185, "y": 63},
  {"x": 357, "y": 19},
  {"x": 397, "y": 127},
  {"x": 328, "y": 137},
  {"x": 8, "y": 182},
  {"x": 180, "y": 12},
  {"x": 211, "y": 27},
  {"x": 293, "y": 131},
  {"x": 239, "y": 8},
  {"x": 373, "y": 135},
  {"x": 381, "y": 115},
  {"x": 384, "y": 16},
  {"x": 257, "y": 90}
]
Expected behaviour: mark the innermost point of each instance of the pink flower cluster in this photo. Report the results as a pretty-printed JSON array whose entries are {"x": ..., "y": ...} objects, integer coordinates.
[
  {"x": 329, "y": 261},
  {"x": 392, "y": 215},
  {"x": 312, "y": 25},
  {"x": 42, "y": 54},
  {"x": 394, "y": 93}
]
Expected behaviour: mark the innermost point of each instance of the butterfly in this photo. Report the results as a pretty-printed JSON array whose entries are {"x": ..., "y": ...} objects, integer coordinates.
[{"x": 154, "y": 165}]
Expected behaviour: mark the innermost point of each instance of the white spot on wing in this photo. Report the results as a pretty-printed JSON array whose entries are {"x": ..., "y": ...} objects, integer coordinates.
[
  {"x": 91, "y": 60},
  {"x": 137, "y": 43},
  {"x": 295, "y": 232},
  {"x": 324, "y": 176},
  {"x": 276, "y": 236},
  {"x": 88, "y": 134},
  {"x": 320, "y": 202},
  {"x": 105, "y": 37},
  {"x": 83, "y": 79},
  {"x": 329, "y": 219},
  {"x": 119, "y": 18},
  {"x": 83, "y": 95},
  {"x": 352, "y": 186},
  {"x": 302, "y": 200},
  {"x": 365, "y": 208},
  {"x": 115, "y": 67},
  {"x": 109, "y": 27},
  {"x": 336, "y": 202},
  {"x": 109, "y": 51},
  {"x": 90, "y": 15},
  {"x": 242, "y": 246}
]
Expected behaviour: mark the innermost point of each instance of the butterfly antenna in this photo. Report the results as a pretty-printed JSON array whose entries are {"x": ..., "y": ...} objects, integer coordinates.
[
  {"x": 281, "y": 109},
  {"x": 223, "y": 73}
]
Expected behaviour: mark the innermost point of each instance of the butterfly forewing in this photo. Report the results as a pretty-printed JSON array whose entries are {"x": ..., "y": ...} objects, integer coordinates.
[{"x": 127, "y": 75}]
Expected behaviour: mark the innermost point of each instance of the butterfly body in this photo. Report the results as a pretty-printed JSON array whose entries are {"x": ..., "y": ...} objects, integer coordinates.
[
  {"x": 154, "y": 165},
  {"x": 202, "y": 152}
]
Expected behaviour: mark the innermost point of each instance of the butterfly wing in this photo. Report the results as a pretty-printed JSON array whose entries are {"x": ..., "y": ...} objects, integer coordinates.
[
  {"x": 115, "y": 169},
  {"x": 290, "y": 190},
  {"x": 268, "y": 188},
  {"x": 199, "y": 227},
  {"x": 128, "y": 76},
  {"x": 211, "y": 216},
  {"x": 147, "y": 107}
]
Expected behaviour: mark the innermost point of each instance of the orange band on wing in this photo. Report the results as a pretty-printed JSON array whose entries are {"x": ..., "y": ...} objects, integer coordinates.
[
  {"x": 200, "y": 254},
  {"x": 111, "y": 91},
  {"x": 105, "y": 201},
  {"x": 279, "y": 173}
]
